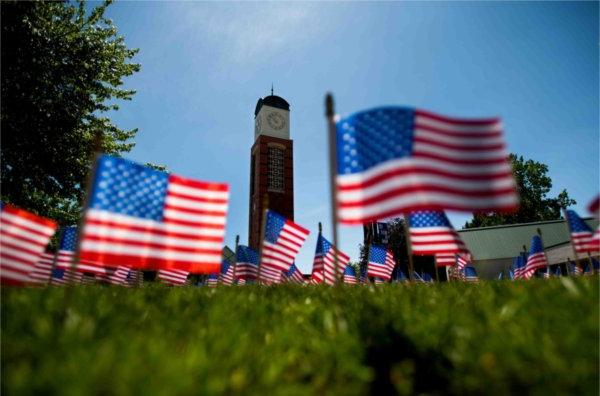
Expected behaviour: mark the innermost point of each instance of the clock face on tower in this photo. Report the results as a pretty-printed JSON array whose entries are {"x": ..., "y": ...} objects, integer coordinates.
[{"x": 276, "y": 121}]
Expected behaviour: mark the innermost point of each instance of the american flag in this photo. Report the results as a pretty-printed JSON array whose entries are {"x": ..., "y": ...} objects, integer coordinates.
[
  {"x": 212, "y": 280},
  {"x": 419, "y": 278},
  {"x": 246, "y": 263},
  {"x": 173, "y": 277},
  {"x": 518, "y": 266},
  {"x": 445, "y": 259},
  {"x": 88, "y": 279},
  {"x": 350, "y": 275},
  {"x": 378, "y": 281},
  {"x": 294, "y": 275},
  {"x": 269, "y": 275},
  {"x": 536, "y": 258},
  {"x": 148, "y": 219},
  {"x": 66, "y": 251},
  {"x": 393, "y": 160},
  {"x": 546, "y": 274},
  {"x": 282, "y": 240},
  {"x": 135, "y": 278},
  {"x": 226, "y": 275},
  {"x": 581, "y": 235},
  {"x": 575, "y": 269},
  {"x": 400, "y": 277},
  {"x": 432, "y": 233},
  {"x": 471, "y": 274},
  {"x": 119, "y": 276},
  {"x": 461, "y": 261},
  {"x": 23, "y": 237},
  {"x": 58, "y": 277},
  {"x": 241, "y": 282},
  {"x": 324, "y": 262},
  {"x": 42, "y": 270},
  {"x": 381, "y": 262}
]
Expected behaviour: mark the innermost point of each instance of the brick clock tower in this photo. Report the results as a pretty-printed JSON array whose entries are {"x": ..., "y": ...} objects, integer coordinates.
[{"x": 271, "y": 163}]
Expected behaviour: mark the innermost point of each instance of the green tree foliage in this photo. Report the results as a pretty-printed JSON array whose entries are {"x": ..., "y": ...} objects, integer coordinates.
[
  {"x": 533, "y": 185},
  {"x": 62, "y": 72}
]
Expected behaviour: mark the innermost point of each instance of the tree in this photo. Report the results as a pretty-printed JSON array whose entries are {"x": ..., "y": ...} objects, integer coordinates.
[
  {"x": 62, "y": 69},
  {"x": 533, "y": 185}
]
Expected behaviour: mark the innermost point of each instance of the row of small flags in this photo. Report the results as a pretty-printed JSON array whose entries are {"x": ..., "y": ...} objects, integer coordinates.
[{"x": 390, "y": 161}]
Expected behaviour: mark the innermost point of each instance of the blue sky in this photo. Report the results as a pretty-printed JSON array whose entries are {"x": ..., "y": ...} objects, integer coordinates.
[{"x": 204, "y": 65}]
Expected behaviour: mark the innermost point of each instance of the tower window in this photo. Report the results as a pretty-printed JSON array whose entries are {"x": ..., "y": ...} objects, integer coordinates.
[{"x": 276, "y": 172}]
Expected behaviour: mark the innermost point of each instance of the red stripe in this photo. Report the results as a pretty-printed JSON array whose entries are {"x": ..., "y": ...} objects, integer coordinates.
[
  {"x": 459, "y": 121},
  {"x": 170, "y": 248},
  {"x": 182, "y": 181},
  {"x": 156, "y": 232},
  {"x": 459, "y": 134},
  {"x": 196, "y": 224},
  {"x": 463, "y": 161},
  {"x": 297, "y": 227},
  {"x": 22, "y": 249},
  {"x": 198, "y": 199},
  {"x": 289, "y": 241},
  {"x": 29, "y": 216},
  {"x": 482, "y": 147},
  {"x": 143, "y": 263},
  {"x": 424, "y": 188},
  {"x": 414, "y": 170},
  {"x": 196, "y": 211}
]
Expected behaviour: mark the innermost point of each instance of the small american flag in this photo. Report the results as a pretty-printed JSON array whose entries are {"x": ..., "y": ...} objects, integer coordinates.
[
  {"x": 445, "y": 259},
  {"x": 66, "y": 251},
  {"x": 471, "y": 274},
  {"x": 269, "y": 275},
  {"x": 581, "y": 235},
  {"x": 381, "y": 262},
  {"x": 43, "y": 269},
  {"x": 226, "y": 274},
  {"x": 173, "y": 277},
  {"x": 58, "y": 277},
  {"x": 119, "y": 276},
  {"x": 294, "y": 275},
  {"x": 400, "y": 276},
  {"x": 246, "y": 263},
  {"x": 324, "y": 262},
  {"x": 212, "y": 280},
  {"x": 461, "y": 261},
  {"x": 23, "y": 237},
  {"x": 575, "y": 269},
  {"x": 378, "y": 281},
  {"x": 147, "y": 219},
  {"x": 282, "y": 240},
  {"x": 350, "y": 275},
  {"x": 393, "y": 160},
  {"x": 518, "y": 266},
  {"x": 432, "y": 233},
  {"x": 135, "y": 278},
  {"x": 536, "y": 258}
]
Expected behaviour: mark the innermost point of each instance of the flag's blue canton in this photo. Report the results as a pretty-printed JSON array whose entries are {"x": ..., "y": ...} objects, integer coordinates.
[
  {"x": 213, "y": 276},
  {"x": 349, "y": 271},
  {"x": 377, "y": 255},
  {"x": 246, "y": 254},
  {"x": 69, "y": 238},
  {"x": 363, "y": 273},
  {"x": 595, "y": 263},
  {"x": 371, "y": 137},
  {"x": 291, "y": 271},
  {"x": 128, "y": 188},
  {"x": 58, "y": 273},
  {"x": 400, "y": 275},
  {"x": 224, "y": 267},
  {"x": 323, "y": 246},
  {"x": 470, "y": 271},
  {"x": 427, "y": 218},
  {"x": 536, "y": 245},
  {"x": 275, "y": 223},
  {"x": 427, "y": 278},
  {"x": 575, "y": 222}
]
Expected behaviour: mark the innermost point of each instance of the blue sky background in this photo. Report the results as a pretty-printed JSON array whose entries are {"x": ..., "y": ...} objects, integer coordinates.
[{"x": 204, "y": 65}]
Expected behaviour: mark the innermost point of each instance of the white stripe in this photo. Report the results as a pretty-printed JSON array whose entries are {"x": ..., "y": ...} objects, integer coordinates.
[
  {"x": 92, "y": 246},
  {"x": 24, "y": 233},
  {"x": 421, "y": 147},
  {"x": 191, "y": 204},
  {"x": 174, "y": 214},
  {"x": 392, "y": 203},
  {"x": 432, "y": 164},
  {"x": 15, "y": 265},
  {"x": 460, "y": 141},
  {"x": 437, "y": 247},
  {"x": 25, "y": 245},
  {"x": 425, "y": 120},
  {"x": 104, "y": 231},
  {"x": 300, "y": 236},
  {"x": 102, "y": 215},
  {"x": 8, "y": 251},
  {"x": 197, "y": 192},
  {"x": 15, "y": 220},
  {"x": 8, "y": 274}
]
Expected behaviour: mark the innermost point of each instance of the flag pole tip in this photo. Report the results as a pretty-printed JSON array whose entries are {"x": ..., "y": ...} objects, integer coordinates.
[{"x": 329, "y": 108}]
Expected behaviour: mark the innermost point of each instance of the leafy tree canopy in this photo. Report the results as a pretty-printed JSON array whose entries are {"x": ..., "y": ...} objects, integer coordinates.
[
  {"x": 533, "y": 185},
  {"x": 62, "y": 71}
]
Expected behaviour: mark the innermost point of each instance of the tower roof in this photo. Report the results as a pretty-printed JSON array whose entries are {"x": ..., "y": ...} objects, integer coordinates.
[{"x": 273, "y": 101}]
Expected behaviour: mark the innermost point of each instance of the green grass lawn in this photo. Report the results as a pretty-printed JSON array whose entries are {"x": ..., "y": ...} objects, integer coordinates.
[{"x": 536, "y": 337}]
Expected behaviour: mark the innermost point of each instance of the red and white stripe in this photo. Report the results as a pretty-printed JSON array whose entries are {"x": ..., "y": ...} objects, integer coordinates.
[
  {"x": 461, "y": 261},
  {"x": 350, "y": 279},
  {"x": 64, "y": 260},
  {"x": 445, "y": 259},
  {"x": 326, "y": 262},
  {"x": 246, "y": 270},
  {"x": 42, "y": 270},
  {"x": 458, "y": 164},
  {"x": 434, "y": 240},
  {"x": 378, "y": 281},
  {"x": 382, "y": 271},
  {"x": 227, "y": 277},
  {"x": 119, "y": 276},
  {"x": 534, "y": 261},
  {"x": 270, "y": 275},
  {"x": 23, "y": 238},
  {"x": 190, "y": 236},
  {"x": 173, "y": 277},
  {"x": 212, "y": 282},
  {"x": 296, "y": 277},
  {"x": 282, "y": 253}
]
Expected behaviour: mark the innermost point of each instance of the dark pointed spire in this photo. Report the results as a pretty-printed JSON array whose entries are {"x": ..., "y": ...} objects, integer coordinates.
[{"x": 271, "y": 89}]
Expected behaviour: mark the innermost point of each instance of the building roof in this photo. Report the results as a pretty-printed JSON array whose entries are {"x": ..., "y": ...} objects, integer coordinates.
[
  {"x": 274, "y": 101},
  {"x": 507, "y": 241}
]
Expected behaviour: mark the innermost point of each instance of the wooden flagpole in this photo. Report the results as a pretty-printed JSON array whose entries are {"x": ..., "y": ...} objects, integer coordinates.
[
  {"x": 539, "y": 231},
  {"x": 408, "y": 249},
  {"x": 577, "y": 262},
  {"x": 262, "y": 234},
  {"x": 331, "y": 130}
]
